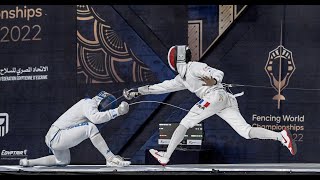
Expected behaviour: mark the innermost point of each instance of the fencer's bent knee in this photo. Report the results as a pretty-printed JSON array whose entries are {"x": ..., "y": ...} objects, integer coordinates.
[
  {"x": 51, "y": 134},
  {"x": 64, "y": 162},
  {"x": 63, "y": 157},
  {"x": 92, "y": 130},
  {"x": 67, "y": 161}
]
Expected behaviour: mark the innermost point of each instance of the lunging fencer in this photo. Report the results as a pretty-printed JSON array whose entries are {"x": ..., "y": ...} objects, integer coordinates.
[
  {"x": 77, "y": 124},
  {"x": 214, "y": 99}
]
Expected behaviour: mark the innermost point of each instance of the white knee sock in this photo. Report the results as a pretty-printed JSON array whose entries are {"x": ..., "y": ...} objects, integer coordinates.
[
  {"x": 176, "y": 138},
  {"x": 43, "y": 161},
  {"x": 98, "y": 142},
  {"x": 261, "y": 133}
]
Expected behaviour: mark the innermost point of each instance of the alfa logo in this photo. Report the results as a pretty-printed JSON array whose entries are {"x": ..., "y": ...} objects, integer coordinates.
[{"x": 280, "y": 67}]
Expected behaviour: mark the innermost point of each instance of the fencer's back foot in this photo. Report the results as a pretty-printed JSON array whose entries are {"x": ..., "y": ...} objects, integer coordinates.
[
  {"x": 24, "y": 162},
  {"x": 288, "y": 141}
]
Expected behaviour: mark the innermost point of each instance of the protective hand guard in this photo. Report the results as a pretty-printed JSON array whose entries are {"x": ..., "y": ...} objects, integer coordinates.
[
  {"x": 123, "y": 108},
  {"x": 131, "y": 93}
]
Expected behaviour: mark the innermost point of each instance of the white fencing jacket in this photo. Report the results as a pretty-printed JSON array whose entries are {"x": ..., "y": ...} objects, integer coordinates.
[
  {"x": 191, "y": 81},
  {"x": 83, "y": 111}
]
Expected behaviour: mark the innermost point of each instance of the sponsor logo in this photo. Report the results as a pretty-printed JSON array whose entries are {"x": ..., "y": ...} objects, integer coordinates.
[
  {"x": 279, "y": 67},
  {"x": 4, "y": 124},
  {"x": 13, "y": 155}
]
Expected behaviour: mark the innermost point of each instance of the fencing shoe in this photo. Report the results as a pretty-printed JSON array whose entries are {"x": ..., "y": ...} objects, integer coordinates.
[
  {"x": 24, "y": 162},
  {"x": 288, "y": 141},
  {"x": 118, "y": 161},
  {"x": 159, "y": 155}
]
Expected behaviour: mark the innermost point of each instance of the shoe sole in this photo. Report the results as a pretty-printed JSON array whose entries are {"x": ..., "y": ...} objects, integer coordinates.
[
  {"x": 293, "y": 143},
  {"x": 117, "y": 165}
]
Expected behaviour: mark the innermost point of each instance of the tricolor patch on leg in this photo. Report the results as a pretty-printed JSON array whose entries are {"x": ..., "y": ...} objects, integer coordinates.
[{"x": 203, "y": 104}]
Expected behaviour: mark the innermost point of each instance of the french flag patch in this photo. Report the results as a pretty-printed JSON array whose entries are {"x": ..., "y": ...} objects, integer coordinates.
[{"x": 203, "y": 104}]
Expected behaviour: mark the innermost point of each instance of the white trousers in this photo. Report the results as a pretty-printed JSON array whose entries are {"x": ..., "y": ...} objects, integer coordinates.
[
  {"x": 61, "y": 140},
  {"x": 224, "y": 105}
]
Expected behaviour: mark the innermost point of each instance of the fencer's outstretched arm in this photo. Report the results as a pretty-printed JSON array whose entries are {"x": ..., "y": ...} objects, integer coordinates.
[
  {"x": 160, "y": 88},
  {"x": 96, "y": 117},
  {"x": 163, "y": 87}
]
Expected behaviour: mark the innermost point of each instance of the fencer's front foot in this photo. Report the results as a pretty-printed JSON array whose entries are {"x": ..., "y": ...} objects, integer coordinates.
[
  {"x": 24, "y": 162},
  {"x": 159, "y": 155},
  {"x": 118, "y": 161},
  {"x": 288, "y": 141}
]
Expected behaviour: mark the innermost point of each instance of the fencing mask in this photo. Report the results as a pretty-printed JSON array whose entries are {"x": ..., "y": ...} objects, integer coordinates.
[
  {"x": 105, "y": 101},
  {"x": 178, "y": 57}
]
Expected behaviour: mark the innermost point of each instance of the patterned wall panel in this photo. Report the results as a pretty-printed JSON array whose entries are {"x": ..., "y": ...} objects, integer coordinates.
[
  {"x": 208, "y": 15},
  {"x": 225, "y": 17},
  {"x": 195, "y": 38},
  {"x": 215, "y": 19},
  {"x": 102, "y": 57}
]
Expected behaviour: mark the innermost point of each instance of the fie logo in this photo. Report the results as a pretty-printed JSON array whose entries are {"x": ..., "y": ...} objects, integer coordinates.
[
  {"x": 4, "y": 124},
  {"x": 279, "y": 67}
]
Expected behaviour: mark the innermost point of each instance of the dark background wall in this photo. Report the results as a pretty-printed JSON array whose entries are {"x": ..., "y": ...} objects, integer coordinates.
[
  {"x": 85, "y": 49},
  {"x": 35, "y": 36}
]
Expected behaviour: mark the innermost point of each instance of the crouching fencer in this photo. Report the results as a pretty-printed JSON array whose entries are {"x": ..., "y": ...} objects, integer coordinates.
[
  {"x": 78, "y": 124},
  {"x": 214, "y": 99}
]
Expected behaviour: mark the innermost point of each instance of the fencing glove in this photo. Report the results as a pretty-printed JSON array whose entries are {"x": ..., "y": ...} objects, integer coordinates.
[{"x": 123, "y": 108}]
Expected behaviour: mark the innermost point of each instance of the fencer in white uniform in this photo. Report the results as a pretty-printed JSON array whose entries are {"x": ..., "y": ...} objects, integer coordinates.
[
  {"x": 77, "y": 124},
  {"x": 214, "y": 99}
]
